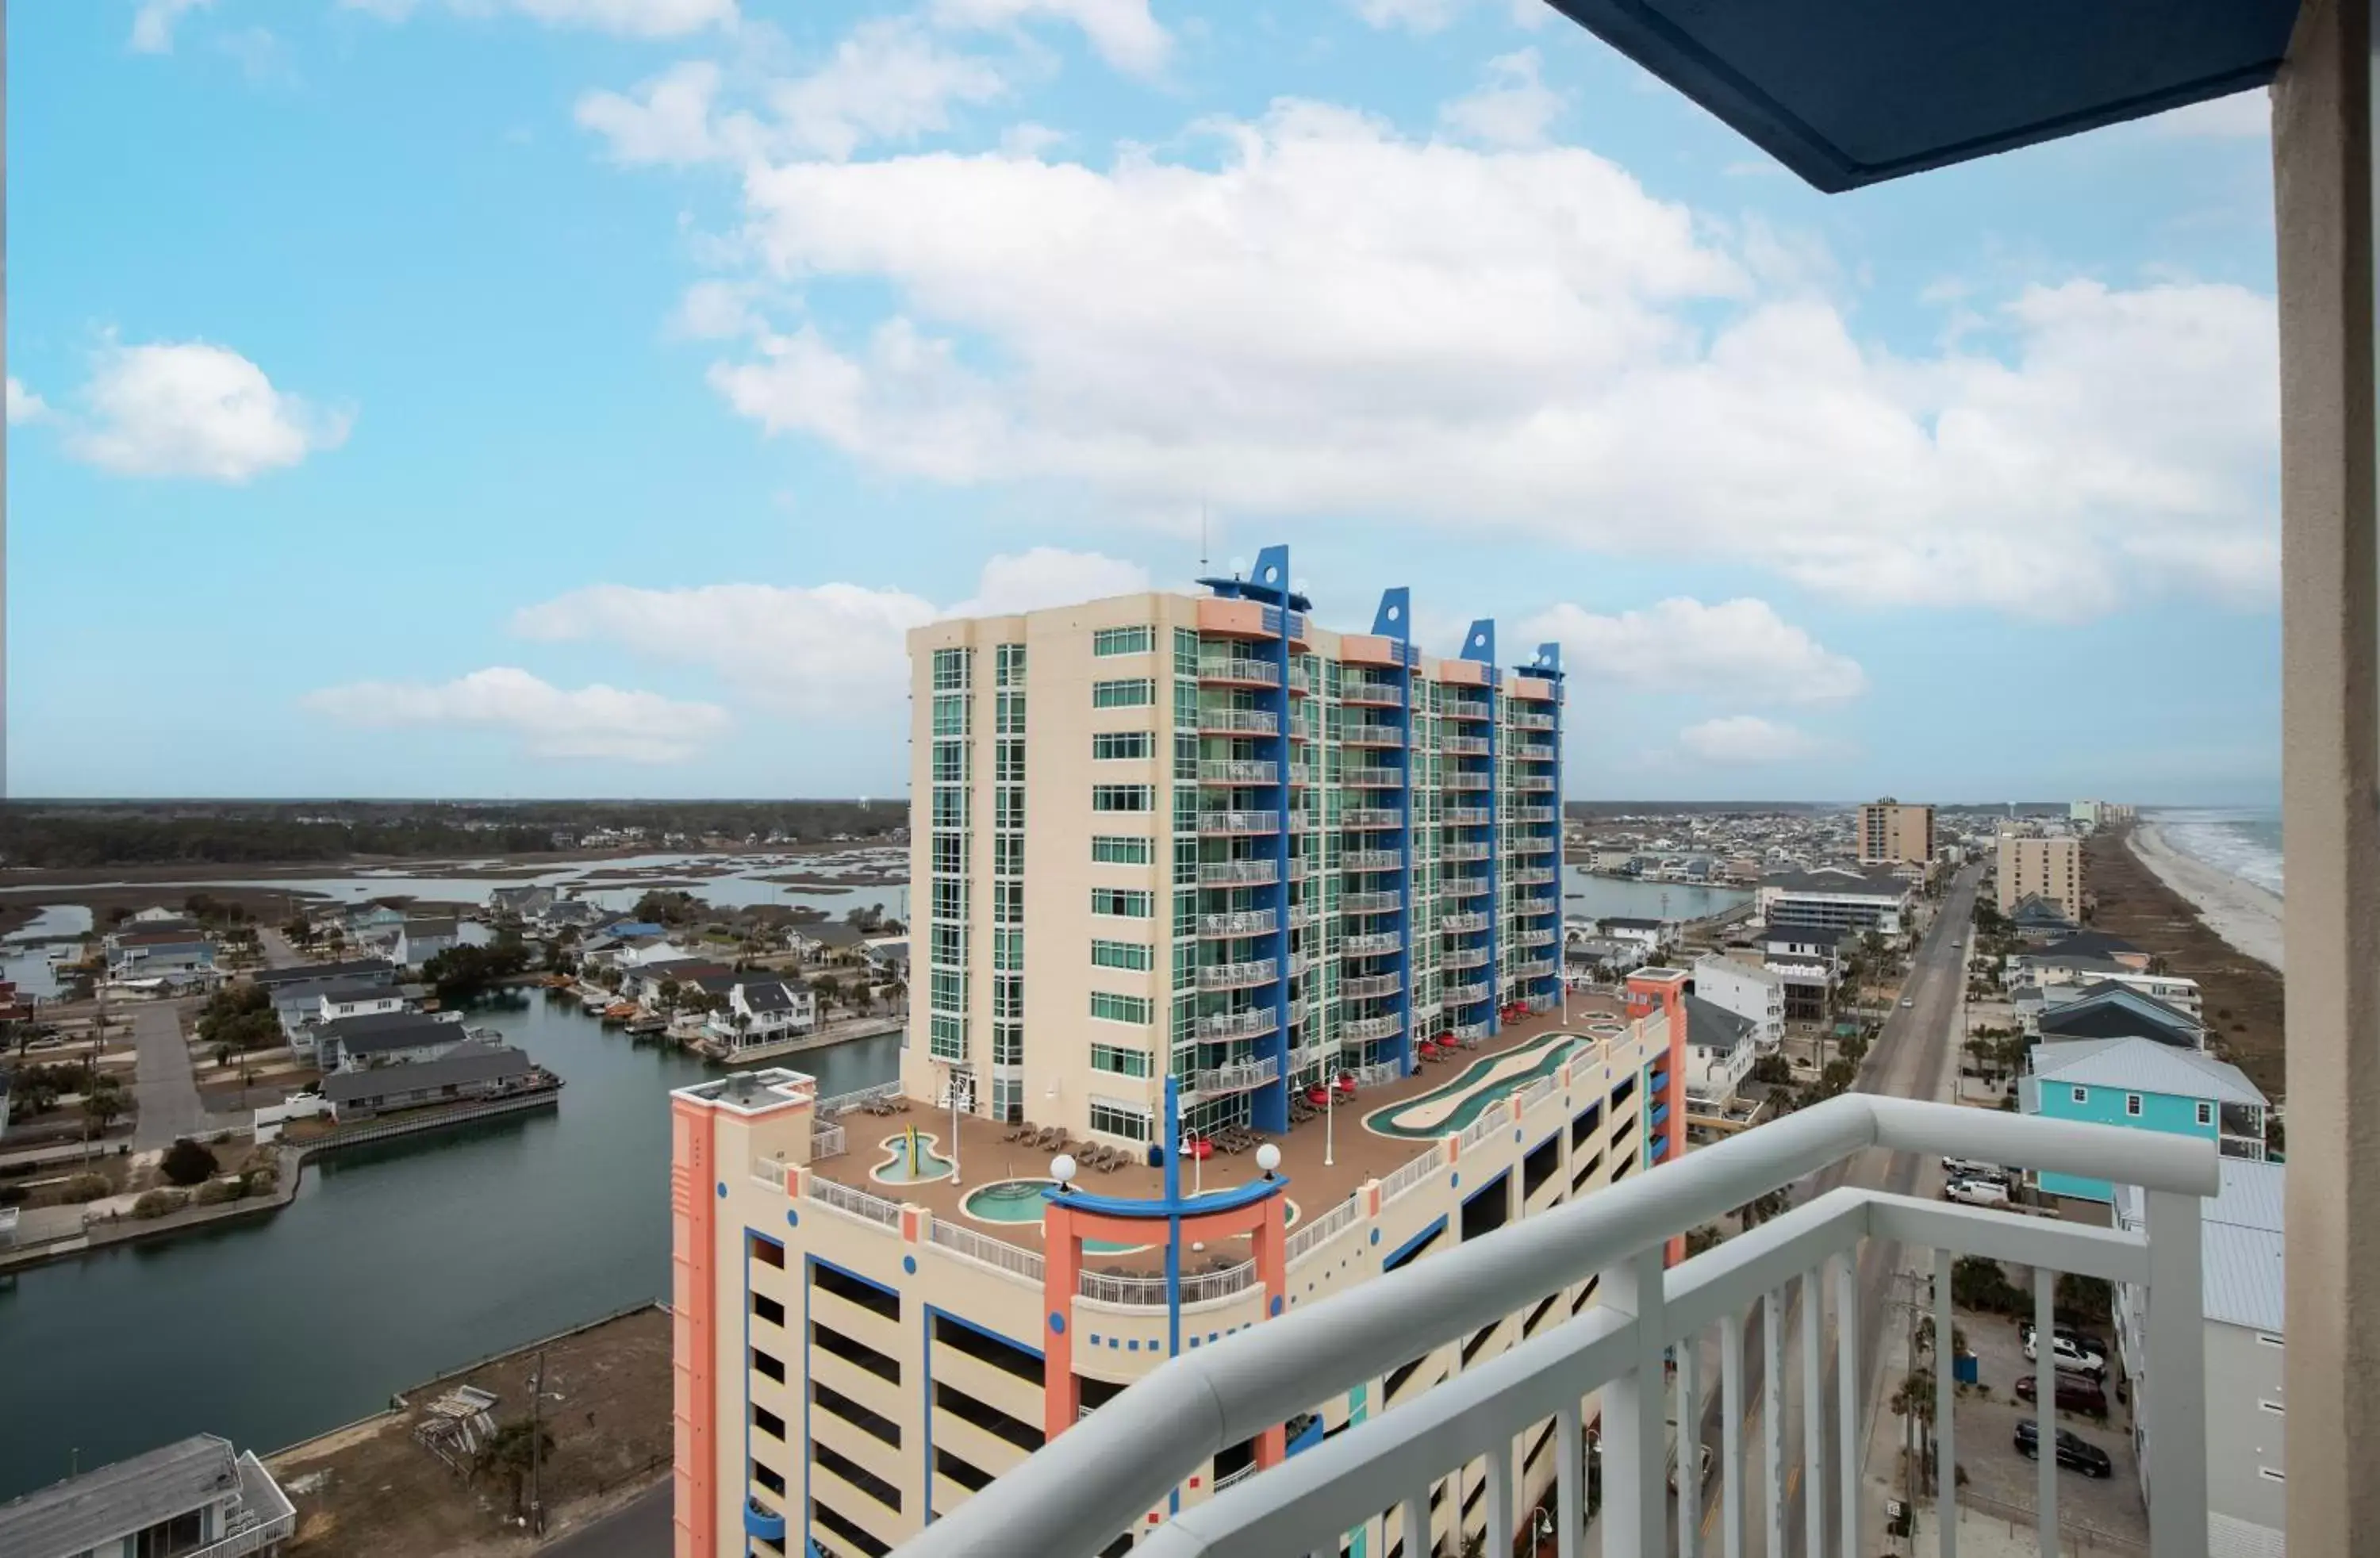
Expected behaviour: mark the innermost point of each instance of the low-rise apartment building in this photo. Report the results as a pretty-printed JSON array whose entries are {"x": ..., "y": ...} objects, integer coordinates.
[
  {"x": 1836, "y": 898},
  {"x": 1750, "y": 991},
  {"x": 196, "y": 1497}
]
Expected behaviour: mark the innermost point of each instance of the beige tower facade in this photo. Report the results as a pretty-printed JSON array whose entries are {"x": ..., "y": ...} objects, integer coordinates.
[
  {"x": 2049, "y": 869},
  {"x": 1892, "y": 833}
]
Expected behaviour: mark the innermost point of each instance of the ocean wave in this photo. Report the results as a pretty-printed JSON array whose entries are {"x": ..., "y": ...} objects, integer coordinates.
[{"x": 2242, "y": 844}]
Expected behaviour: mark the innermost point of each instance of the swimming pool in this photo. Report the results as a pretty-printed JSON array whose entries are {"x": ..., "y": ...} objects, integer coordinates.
[
  {"x": 897, "y": 1170},
  {"x": 1019, "y": 1200},
  {"x": 1445, "y": 1110}
]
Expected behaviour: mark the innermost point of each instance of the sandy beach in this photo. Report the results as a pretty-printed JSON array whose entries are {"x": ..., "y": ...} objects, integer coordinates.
[{"x": 2243, "y": 914}]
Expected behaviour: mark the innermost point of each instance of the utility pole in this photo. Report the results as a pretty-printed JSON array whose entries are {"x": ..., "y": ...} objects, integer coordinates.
[
  {"x": 1914, "y": 1440},
  {"x": 537, "y": 1448}
]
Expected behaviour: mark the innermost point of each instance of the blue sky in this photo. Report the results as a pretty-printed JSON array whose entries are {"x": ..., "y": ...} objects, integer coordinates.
[{"x": 528, "y": 397}]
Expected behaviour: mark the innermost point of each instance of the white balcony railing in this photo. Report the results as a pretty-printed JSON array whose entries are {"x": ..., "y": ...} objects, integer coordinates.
[
  {"x": 1463, "y": 923},
  {"x": 769, "y": 1172},
  {"x": 1412, "y": 1172},
  {"x": 1366, "y": 817},
  {"x": 1465, "y": 886},
  {"x": 1467, "y": 1033},
  {"x": 1238, "y": 770},
  {"x": 858, "y": 1203},
  {"x": 1373, "y": 735},
  {"x": 1257, "y": 672},
  {"x": 1367, "y": 987},
  {"x": 1371, "y": 861},
  {"x": 1532, "y": 721},
  {"x": 1375, "y": 943},
  {"x": 1461, "y": 851},
  {"x": 1529, "y": 814},
  {"x": 1470, "y": 708},
  {"x": 1374, "y": 1074},
  {"x": 1239, "y": 721},
  {"x": 1373, "y": 779},
  {"x": 1464, "y": 994},
  {"x": 1239, "y": 874},
  {"x": 1330, "y": 1225},
  {"x": 1223, "y": 824},
  {"x": 1071, "y": 1498},
  {"x": 1363, "y": 1029},
  {"x": 1464, "y": 958},
  {"x": 1465, "y": 746},
  {"x": 1378, "y": 694},
  {"x": 843, "y": 1103},
  {"x": 1240, "y": 922},
  {"x": 1253, "y": 1024},
  {"x": 826, "y": 1140},
  {"x": 1533, "y": 878},
  {"x": 1239, "y": 976},
  {"x": 1467, "y": 782},
  {"x": 1371, "y": 903},
  {"x": 1467, "y": 816},
  {"x": 1237, "y": 1078}
]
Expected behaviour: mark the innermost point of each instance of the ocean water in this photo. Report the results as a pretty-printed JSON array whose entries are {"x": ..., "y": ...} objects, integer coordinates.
[{"x": 2245, "y": 841}]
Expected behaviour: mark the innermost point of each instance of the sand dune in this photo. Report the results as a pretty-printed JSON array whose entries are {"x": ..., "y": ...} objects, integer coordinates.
[{"x": 2243, "y": 914}]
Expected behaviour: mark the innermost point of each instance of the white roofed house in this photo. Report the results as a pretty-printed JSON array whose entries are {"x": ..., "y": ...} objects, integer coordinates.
[
  {"x": 1750, "y": 991},
  {"x": 197, "y": 1497},
  {"x": 2242, "y": 1243},
  {"x": 420, "y": 940}
]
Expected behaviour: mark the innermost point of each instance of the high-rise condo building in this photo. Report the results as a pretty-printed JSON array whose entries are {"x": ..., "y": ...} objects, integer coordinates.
[
  {"x": 2048, "y": 868},
  {"x": 1892, "y": 833},
  {"x": 1240, "y": 941}
]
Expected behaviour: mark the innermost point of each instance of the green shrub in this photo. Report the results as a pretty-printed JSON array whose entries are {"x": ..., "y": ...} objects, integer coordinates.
[
  {"x": 187, "y": 1163},
  {"x": 85, "y": 1188},
  {"x": 157, "y": 1204},
  {"x": 215, "y": 1192}
]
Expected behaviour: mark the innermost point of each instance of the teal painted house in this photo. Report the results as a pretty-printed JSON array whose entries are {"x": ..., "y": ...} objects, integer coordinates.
[{"x": 2145, "y": 1085}]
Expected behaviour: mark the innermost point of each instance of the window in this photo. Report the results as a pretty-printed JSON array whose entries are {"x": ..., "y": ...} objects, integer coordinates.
[
  {"x": 768, "y": 1422},
  {"x": 2207, "y": 1113},
  {"x": 1008, "y": 665},
  {"x": 1123, "y": 797},
  {"x": 1128, "y": 692},
  {"x": 2132, "y": 1104},
  {"x": 1121, "y": 955},
  {"x": 1133, "y": 1009},
  {"x": 951, "y": 667},
  {"x": 1119, "y": 1119},
  {"x": 950, "y": 714},
  {"x": 768, "y": 1479},
  {"x": 1008, "y": 762},
  {"x": 1120, "y": 902},
  {"x": 1121, "y": 1063},
  {"x": 768, "y": 1364},
  {"x": 2081, "y": 1095},
  {"x": 1123, "y": 640},
  {"x": 769, "y": 1252},
  {"x": 1107, "y": 849},
  {"x": 1118, "y": 745},
  {"x": 1008, "y": 714}
]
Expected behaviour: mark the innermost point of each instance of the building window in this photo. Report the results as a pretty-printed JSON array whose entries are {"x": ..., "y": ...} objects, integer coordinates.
[
  {"x": 2081, "y": 1095},
  {"x": 1128, "y": 692},
  {"x": 1119, "y": 1119},
  {"x": 1124, "y": 903},
  {"x": 769, "y": 1252},
  {"x": 1123, "y": 640},
  {"x": 768, "y": 1364},
  {"x": 768, "y": 1308},
  {"x": 1123, "y": 797},
  {"x": 951, "y": 668},
  {"x": 2132, "y": 1105},
  {"x": 768, "y": 1422},
  {"x": 1121, "y": 1063},
  {"x": 2207, "y": 1113},
  {"x": 1133, "y": 1009},
  {"x": 1008, "y": 762},
  {"x": 1121, "y": 955},
  {"x": 1107, "y": 849},
  {"x": 768, "y": 1479},
  {"x": 1008, "y": 665},
  {"x": 1109, "y": 746}
]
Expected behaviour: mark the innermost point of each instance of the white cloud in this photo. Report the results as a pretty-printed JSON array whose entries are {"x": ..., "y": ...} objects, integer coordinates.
[
  {"x": 1738, "y": 648},
  {"x": 188, "y": 409},
  {"x": 2241, "y": 117},
  {"x": 1514, "y": 107},
  {"x": 631, "y": 19},
  {"x": 831, "y": 650},
  {"x": 667, "y": 119},
  {"x": 1517, "y": 342},
  {"x": 1123, "y": 31},
  {"x": 24, "y": 406},
  {"x": 887, "y": 79},
  {"x": 1414, "y": 15},
  {"x": 549, "y": 722},
  {"x": 1747, "y": 738},
  {"x": 152, "y": 24}
]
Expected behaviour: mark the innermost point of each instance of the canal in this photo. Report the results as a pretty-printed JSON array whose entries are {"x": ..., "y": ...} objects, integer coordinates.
[{"x": 394, "y": 1263}]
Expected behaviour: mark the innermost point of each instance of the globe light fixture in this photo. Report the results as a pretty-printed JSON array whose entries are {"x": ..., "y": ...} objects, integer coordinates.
[
  {"x": 1062, "y": 1168},
  {"x": 1268, "y": 1158}
]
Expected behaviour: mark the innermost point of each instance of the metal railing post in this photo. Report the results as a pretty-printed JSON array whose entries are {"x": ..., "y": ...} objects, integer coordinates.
[
  {"x": 1772, "y": 1418},
  {"x": 2045, "y": 1407},
  {"x": 1847, "y": 1339},
  {"x": 1635, "y": 1416},
  {"x": 1945, "y": 1461},
  {"x": 2177, "y": 1349}
]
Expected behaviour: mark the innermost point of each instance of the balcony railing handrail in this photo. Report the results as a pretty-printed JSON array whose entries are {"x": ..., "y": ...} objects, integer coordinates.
[
  {"x": 1240, "y": 922},
  {"x": 1411, "y": 1172},
  {"x": 858, "y": 1203},
  {"x": 1330, "y": 1225},
  {"x": 1238, "y": 873},
  {"x": 1073, "y": 1494},
  {"x": 843, "y": 1103},
  {"x": 999, "y": 1254}
]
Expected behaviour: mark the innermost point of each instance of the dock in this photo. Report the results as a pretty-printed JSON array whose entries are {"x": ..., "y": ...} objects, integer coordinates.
[{"x": 834, "y": 1033}]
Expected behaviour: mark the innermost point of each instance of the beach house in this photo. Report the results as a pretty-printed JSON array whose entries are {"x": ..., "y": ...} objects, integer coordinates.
[{"x": 2147, "y": 1086}]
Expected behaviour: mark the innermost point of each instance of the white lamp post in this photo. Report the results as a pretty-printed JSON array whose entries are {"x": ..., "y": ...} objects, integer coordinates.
[
  {"x": 1268, "y": 1158},
  {"x": 1329, "y": 1099},
  {"x": 1062, "y": 1168},
  {"x": 1197, "y": 1167}
]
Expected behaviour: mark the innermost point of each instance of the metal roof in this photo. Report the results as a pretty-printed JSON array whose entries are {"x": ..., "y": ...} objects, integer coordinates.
[
  {"x": 466, "y": 1063},
  {"x": 2243, "y": 1244},
  {"x": 2143, "y": 1065},
  {"x": 1851, "y": 93},
  {"x": 114, "y": 1501}
]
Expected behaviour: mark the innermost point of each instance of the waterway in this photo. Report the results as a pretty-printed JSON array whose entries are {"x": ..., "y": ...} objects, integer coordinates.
[
  {"x": 1585, "y": 895},
  {"x": 396, "y": 1263}
]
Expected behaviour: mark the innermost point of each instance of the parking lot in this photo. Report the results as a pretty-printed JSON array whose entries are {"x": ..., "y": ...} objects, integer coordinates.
[{"x": 1997, "y": 1475}]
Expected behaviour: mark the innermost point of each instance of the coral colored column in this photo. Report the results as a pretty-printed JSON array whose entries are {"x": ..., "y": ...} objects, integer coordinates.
[
  {"x": 1061, "y": 1259},
  {"x": 694, "y": 1297},
  {"x": 1271, "y": 1240}
]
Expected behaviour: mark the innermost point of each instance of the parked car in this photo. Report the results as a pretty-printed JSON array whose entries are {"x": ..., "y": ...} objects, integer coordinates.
[
  {"x": 2071, "y": 1356},
  {"x": 1909, "y": 1001},
  {"x": 2076, "y": 1393},
  {"x": 1973, "y": 1168},
  {"x": 1976, "y": 1192},
  {"x": 2085, "y": 1340},
  {"x": 2074, "y": 1452}
]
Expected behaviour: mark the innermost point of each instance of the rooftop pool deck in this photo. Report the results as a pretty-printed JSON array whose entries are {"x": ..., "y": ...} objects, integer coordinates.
[{"x": 1490, "y": 1080}]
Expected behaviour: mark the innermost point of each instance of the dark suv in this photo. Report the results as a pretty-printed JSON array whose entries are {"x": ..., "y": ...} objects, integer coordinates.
[
  {"x": 2076, "y": 1393},
  {"x": 2073, "y": 1450}
]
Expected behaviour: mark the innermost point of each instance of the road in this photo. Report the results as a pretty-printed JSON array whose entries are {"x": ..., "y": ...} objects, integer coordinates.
[
  {"x": 639, "y": 1528},
  {"x": 163, "y": 1084},
  {"x": 1915, "y": 1056}
]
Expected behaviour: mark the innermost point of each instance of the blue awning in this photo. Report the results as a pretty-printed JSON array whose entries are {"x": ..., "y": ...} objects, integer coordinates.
[{"x": 1849, "y": 92}]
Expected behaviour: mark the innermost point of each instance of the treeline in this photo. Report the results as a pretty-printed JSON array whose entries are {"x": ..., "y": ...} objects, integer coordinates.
[{"x": 55, "y": 834}]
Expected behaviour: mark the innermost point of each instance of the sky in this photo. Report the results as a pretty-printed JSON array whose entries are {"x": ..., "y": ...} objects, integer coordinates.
[{"x": 584, "y": 397}]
